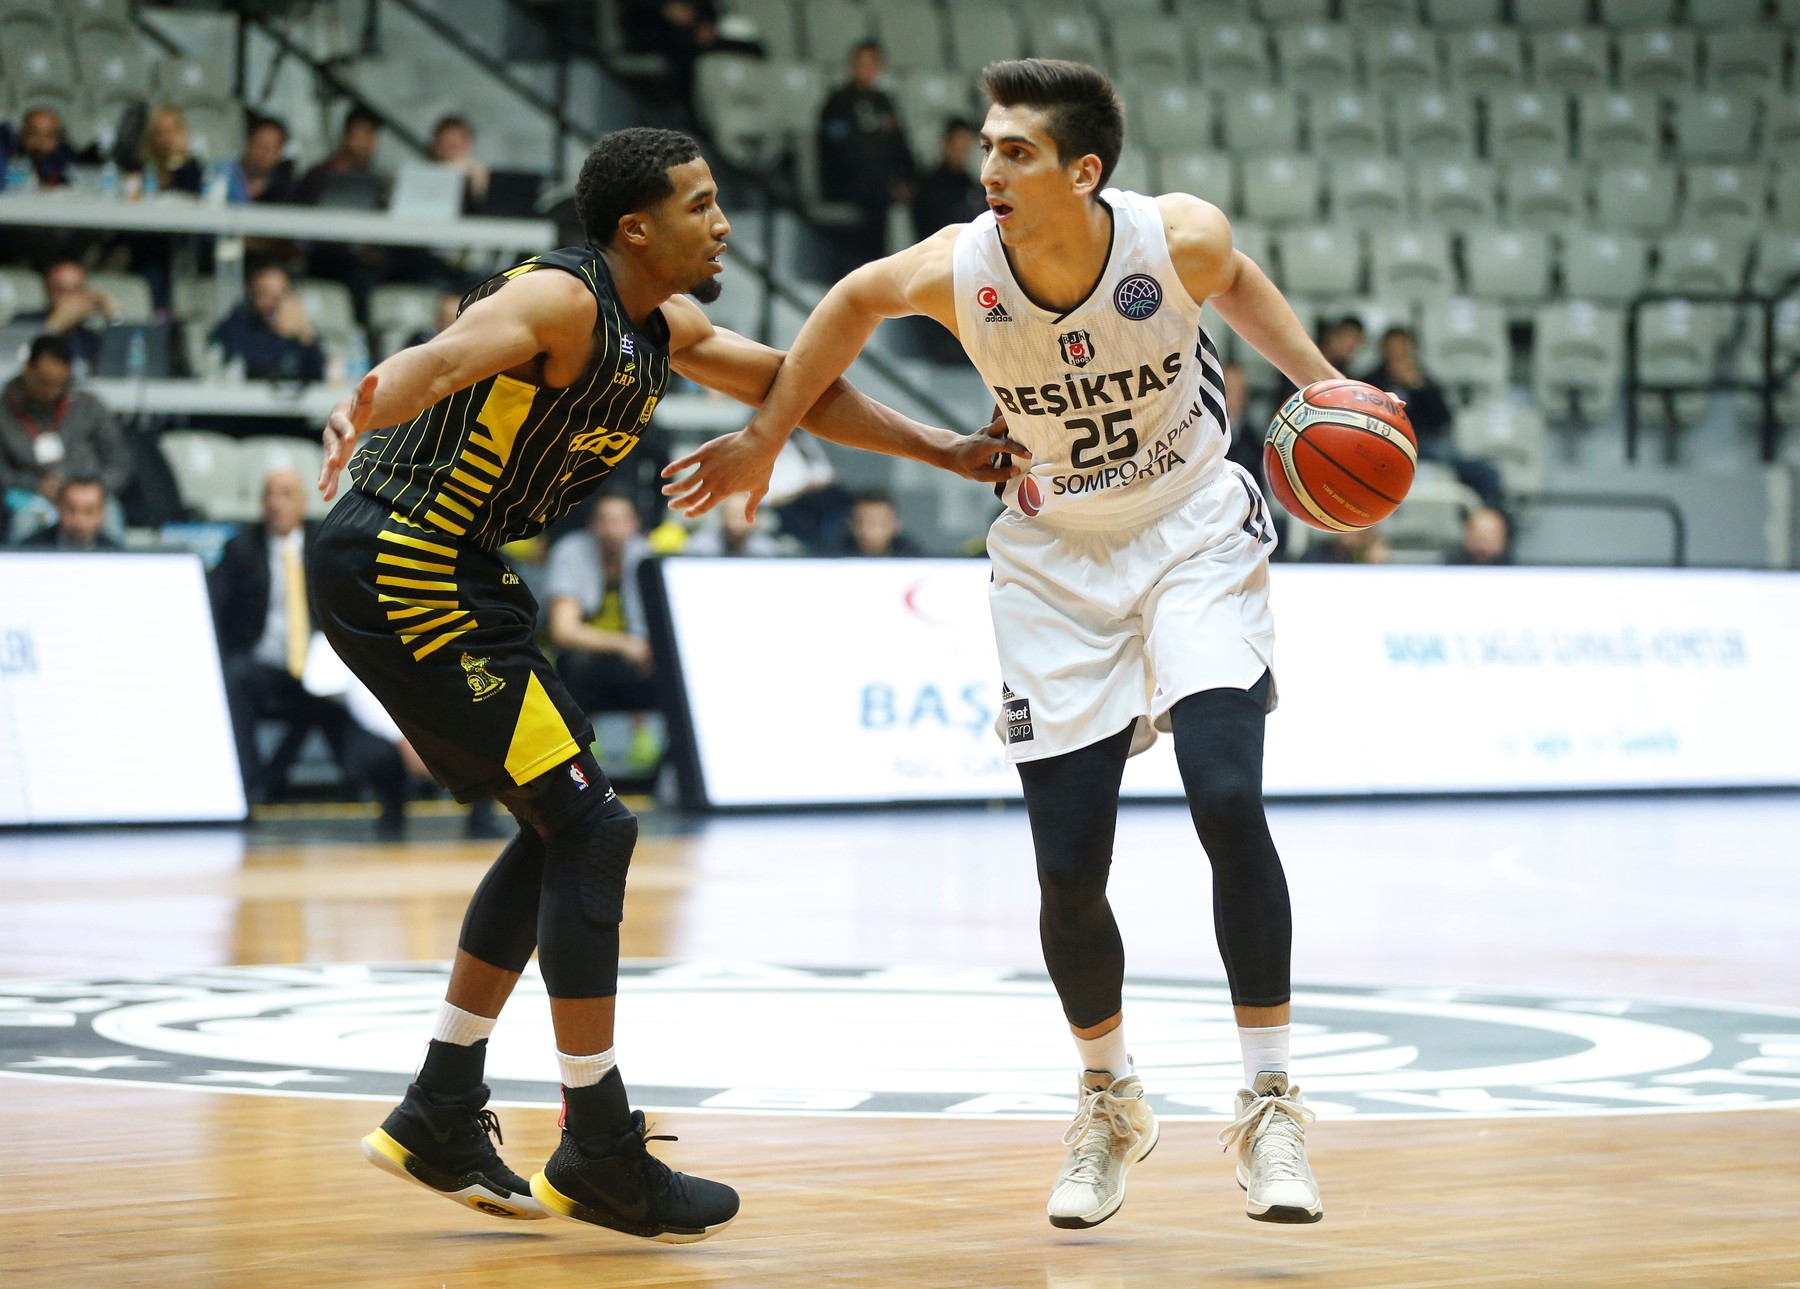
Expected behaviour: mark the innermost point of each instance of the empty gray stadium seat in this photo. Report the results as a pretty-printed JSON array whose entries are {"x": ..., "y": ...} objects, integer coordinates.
[
  {"x": 796, "y": 91},
  {"x": 1746, "y": 60},
  {"x": 927, "y": 100},
  {"x": 1701, "y": 262},
  {"x": 912, "y": 36},
  {"x": 1641, "y": 198},
  {"x": 1065, "y": 32},
  {"x": 115, "y": 61},
  {"x": 1578, "y": 359},
  {"x": 1714, "y": 127},
  {"x": 1451, "y": 14},
  {"x": 1208, "y": 175},
  {"x": 1369, "y": 193},
  {"x": 1431, "y": 519},
  {"x": 211, "y": 473},
  {"x": 1485, "y": 60},
  {"x": 984, "y": 34},
  {"x": 1610, "y": 268},
  {"x": 1659, "y": 60},
  {"x": 1786, "y": 191},
  {"x": 1232, "y": 56},
  {"x": 1571, "y": 58},
  {"x": 1677, "y": 344},
  {"x": 1507, "y": 264},
  {"x": 1346, "y": 124},
  {"x": 1171, "y": 118},
  {"x": 1323, "y": 260},
  {"x": 1150, "y": 48},
  {"x": 1385, "y": 13},
  {"x": 1544, "y": 196},
  {"x": 215, "y": 132},
  {"x": 1549, "y": 13},
  {"x": 1213, "y": 10},
  {"x": 21, "y": 291},
  {"x": 261, "y": 455},
  {"x": 1455, "y": 194},
  {"x": 1781, "y": 129},
  {"x": 1527, "y": 125},
  {"x": 777, "y": 25},
  {"x": 128, "y": 291},
  {"x": 1411, "y": 264},
  {"x": 1464, "y": 344},
  {"x": 1253, "y": 240},
  {"x": 1724, "y": 198},
  {"x": 1278, "y": 11},
  {"x": 328, "y": 305},
  {"x": 1510, "y": 435},
  {"x": 1777, "y": 261},
  {"x": 833, "y": 28},
  {"x": 1135, "y": 172},
  {"x": 1638, "y": 13},
  {"x": 1281, "y": 189},
  {"x": 1260, "y": 121},
  {"x": 83, "y": 15},
  {"x": 187, "y": 82},
  {"x": 36, "y": 66},
  {"x": 732, "y": 95},
  {"x": 1398, "y": 60},
  {"x": 1434, "y": 125},
  {"x": 1613, "y": 127},
  {"x": 1316, "y": 56}
]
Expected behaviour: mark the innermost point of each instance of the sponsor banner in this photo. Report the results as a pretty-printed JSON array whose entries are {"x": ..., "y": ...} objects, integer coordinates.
[
  {"x": 942, "y": 1042},
  {"x": 876, "y": 681},
  {"x": 112, "y": 706}
]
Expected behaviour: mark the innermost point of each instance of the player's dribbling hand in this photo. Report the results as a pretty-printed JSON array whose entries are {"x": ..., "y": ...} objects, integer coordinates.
[
  {"x": 731, "y": 463},
  {"x": 348, "y": 419},
  {"x": 978, "y": 456}
]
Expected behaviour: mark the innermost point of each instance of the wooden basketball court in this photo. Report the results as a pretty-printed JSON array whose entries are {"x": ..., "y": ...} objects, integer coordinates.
[{"x": 116, "y": 1184}]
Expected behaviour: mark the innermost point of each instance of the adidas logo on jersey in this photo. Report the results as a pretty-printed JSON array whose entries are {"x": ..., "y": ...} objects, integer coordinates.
[{"x": 999, "y": 314}]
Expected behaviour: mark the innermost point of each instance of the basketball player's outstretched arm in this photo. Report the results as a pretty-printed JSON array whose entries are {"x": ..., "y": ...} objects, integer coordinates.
[
  {"x": 1211, "y": 268},
  {"x": 536, "y": 314},
  {"x": 916, "y": 280}
]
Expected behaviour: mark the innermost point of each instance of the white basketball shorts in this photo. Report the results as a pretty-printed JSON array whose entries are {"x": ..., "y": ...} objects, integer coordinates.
[{"x": 1098, "y": 630}]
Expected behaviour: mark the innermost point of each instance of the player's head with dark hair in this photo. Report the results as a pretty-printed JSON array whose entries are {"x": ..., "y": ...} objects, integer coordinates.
[
  {"x": 1068, "y": 110},
  {"x": 648, "y": 194}
]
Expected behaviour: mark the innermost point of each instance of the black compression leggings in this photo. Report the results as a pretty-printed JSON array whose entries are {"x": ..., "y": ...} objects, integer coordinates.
[{"x": 1072, "y": 801}]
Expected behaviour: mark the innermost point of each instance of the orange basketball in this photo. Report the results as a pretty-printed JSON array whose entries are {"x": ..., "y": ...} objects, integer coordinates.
[{"x": 1340, "y": 455}]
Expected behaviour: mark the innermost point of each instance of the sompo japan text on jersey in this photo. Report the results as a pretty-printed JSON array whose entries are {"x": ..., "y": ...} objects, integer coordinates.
[{"x": 1121, "y": 400}]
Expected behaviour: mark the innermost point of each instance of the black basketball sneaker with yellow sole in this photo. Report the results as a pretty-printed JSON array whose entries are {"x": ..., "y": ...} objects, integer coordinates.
[
  {"x": 441, "y": 1142},
  {"x": 628, "y": 1189}
]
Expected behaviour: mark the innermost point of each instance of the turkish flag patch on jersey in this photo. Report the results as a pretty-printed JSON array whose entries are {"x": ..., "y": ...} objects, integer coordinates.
[{"x": 1077, "y": 348}]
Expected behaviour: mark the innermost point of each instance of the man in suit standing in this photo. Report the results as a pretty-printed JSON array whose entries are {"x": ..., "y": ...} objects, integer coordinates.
[{"x": 264, "y": 617}]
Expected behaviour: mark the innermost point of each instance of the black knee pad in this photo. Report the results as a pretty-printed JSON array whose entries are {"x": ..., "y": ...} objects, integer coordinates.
[
  {"x": 501, "y": 926},
  {"x": 591, "y": 856},
  {"x": 588, "y": 840}
]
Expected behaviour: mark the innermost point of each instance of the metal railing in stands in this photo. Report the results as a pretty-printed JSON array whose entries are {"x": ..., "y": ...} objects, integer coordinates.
[
  {"x": 1617, "y": 501},
  {"x": 1775, "y": 373}
]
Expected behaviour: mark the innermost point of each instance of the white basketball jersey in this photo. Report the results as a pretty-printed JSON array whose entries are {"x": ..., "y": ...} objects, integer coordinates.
[{"x": 1121, "y": 400}]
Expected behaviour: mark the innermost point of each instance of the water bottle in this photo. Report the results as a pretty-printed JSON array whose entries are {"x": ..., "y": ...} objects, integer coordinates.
[
  {"x": 356, "y": 358},
  {"x": 218, "y": 184},
  {"x": 19, "y": 177},
  {"x": 109, "y": 182},
  {"x": 150, "y": 182},
  {"x": 137, "y": 355}
]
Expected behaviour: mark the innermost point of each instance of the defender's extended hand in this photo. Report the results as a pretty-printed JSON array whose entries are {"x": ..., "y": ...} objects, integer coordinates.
[
  {"x": 731, "y": 463},
  {"x": 977, "y": 456},
  {"x": 348, "y": 419}
]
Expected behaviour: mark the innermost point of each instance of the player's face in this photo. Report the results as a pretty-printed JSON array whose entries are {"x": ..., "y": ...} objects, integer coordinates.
[
  {"x": 691, "y": 231},
  {"x": 1025, "y": 180}
]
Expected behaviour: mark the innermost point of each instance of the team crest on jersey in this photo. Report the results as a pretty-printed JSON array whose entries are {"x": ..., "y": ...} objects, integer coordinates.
[
  {"x": 1138, "y": 297},
  {"x": 1077, "y": 348},
  {"x": 482, "y": 683},
  {"x": 989, "y": 299}
]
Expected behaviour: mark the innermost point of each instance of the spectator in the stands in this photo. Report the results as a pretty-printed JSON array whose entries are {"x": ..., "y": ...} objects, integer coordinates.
[
  {"x": 74, "y": 310},
  {"x": 1429, "y": 412},
  {"x": 874, "y": 529},
  {"x": 271, "y": 332},
  {"x": 449, "y": 301},
  {"x": 50, "y": 429},
  {"x": 1338, "y": 339},
  {"x": 949, "y": 194},
  {"x": 80, "y": 519},
  {"x": 163, "y": 153},
  {"x": 1487, "y": 539},
  {"x": 733, "y": 534},
  {"x": 681, "y": 31},
  {"x": 453, "y": 144},
  {"x": 358, "y": 143},
  {"x": 263, "y": 171},
  {"x": 42, "y": 141},
  {"x": 1367, "y": 546},
  {"x": 863, "y": 157},
  {"x": 264, "y": 616}
]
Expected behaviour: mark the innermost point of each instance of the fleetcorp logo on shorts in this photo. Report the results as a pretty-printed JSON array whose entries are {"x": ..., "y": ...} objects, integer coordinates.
[{"x": 1138, "y": 296}]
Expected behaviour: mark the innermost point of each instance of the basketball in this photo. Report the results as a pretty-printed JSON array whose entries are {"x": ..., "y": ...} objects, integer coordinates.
[{"x": 1340, "y": 455}]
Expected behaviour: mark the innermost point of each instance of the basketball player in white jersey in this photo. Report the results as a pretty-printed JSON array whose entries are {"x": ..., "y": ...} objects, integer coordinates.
[{"x": 1130, "y": 571}]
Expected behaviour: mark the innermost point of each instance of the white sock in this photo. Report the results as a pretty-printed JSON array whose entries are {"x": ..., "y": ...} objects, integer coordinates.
[
  {"x": 1106, "y": 1052},
  {"x": 1265, "y": 1049},
  {"x": 585, "y": 1071},
  {"x": 465, "y": 1029}
]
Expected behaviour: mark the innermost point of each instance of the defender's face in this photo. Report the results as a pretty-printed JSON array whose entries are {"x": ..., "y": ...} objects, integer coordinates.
[
  {"x": 691, "y": 231},
  {"x": 1024, "y": 179}
]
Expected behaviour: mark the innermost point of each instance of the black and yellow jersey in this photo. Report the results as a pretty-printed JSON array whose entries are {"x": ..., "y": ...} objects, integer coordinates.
[{"x": 497, "y": 461}]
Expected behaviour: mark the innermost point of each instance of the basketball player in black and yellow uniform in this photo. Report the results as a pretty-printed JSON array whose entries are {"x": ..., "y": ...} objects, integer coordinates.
[{"x": 482, "y": 436}]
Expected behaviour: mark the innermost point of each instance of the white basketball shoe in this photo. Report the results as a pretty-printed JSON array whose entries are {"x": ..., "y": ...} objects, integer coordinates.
[
  {"x": 1270, "y": 1134},
  {"x": 1113, "y": 1129}
]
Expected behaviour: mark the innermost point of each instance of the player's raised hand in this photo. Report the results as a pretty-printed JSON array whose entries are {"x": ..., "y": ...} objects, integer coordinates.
[
  {"x": 983, "y": 455},
  {"x": 348, "y": 419},
  {"x": 740, "y": 462}
]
